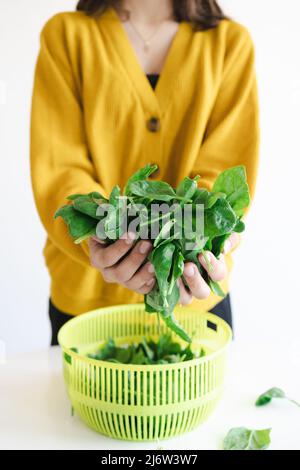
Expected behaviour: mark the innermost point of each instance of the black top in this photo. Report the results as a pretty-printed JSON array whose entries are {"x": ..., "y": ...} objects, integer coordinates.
[{"x": 153, "y": 79}]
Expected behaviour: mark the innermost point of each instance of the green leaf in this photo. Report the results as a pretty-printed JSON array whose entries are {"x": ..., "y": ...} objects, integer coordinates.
[
  {"x": 153, "y": 301},
  {"x": 219, "y": 220},
  {"x": 233, "y": 183},
  {"x": 78, "y": 224},
  {"x": 156, "y": 190},
  {"x": 177, "y": 269},
  {"x": 274, "y": 392},
  {"x": 201, "y": 196},
  {"x": 161, "y": 258},
  {"x": 165, "y": 230},
  {"x": 114, "y": 196},
  {"x": 139, "y": 358},
  {"x": 218, "y": 244},
  {"x": 213, "y": 198},
  {"x": 86, "y": 205},
  {"x": 187, "y": 188},
  {"x": 247, "y": 439},
  {"x": 94, "y": 195},
  {"x": 147, "y": 350},
  {"x": 240, "y": 227},
  {"x": 216, "y": 288},
  {"x": 175, "y": 326},
  {"x": 139, "y": 175}
]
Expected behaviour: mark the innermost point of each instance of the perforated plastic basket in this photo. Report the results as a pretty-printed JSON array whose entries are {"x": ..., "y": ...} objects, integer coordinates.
[{"x": 143, "y": 402}]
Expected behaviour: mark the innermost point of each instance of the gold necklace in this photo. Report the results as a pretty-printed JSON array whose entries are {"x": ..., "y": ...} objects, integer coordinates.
[{"x": 146, "y": 41}]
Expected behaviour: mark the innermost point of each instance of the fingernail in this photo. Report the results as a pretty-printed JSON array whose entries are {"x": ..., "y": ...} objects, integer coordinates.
[
  {"x": 189, "y": 270},
  {"x": 128, "y": 237},
  {"x": 227, "y": 246},
  {"x": 151, "y": 268},
  {"x": 145, "y": 247},
  {"x": 150, "y": 282}
]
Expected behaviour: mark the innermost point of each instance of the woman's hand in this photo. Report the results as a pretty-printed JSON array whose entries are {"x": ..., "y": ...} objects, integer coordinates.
[
  {"x": 197, "y": 286},
  {"x": 116, "y": 267}
]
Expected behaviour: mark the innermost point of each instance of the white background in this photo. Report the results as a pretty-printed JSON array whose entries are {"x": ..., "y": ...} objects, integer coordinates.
[{"x": 265, "y": 284}]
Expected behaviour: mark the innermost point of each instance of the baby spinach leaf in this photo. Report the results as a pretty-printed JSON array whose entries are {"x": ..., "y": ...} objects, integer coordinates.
[
  {"x": 247, "y": 439},
  {"x": 156, "y": 190},
  {"x": 78, "y": 224},
  {"x": 240, "y": 226},
  {"x": 139, "y": 175},
  {"x": 274, "y": 392},
  {"x": 213, "y": 198},
  {"x": 177, "y": 269},
  {"x": 162, "y": 258},
  {"x": 147, "y": 349},
  {"x": 187, "y": 188},
  {"x": 219, "y": 220},
  {"x": 153, "y": 301},
  {"x": 114, "y": 196},
  {"x": 162, "y": 236},
  {"x": 86, "y": 205},
  {"x": 93, "y": 195},
  {"x": 216, "y": 288},
  {"x": 218, "y": 244},
  {"x": 201, "y": 196},
  {"x": 173, "y": 324},
  {"x": 233, "y": 183}
]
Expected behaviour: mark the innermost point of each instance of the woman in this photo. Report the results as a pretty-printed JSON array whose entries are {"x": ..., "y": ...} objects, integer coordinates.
[{"x": 119, "y": 84}]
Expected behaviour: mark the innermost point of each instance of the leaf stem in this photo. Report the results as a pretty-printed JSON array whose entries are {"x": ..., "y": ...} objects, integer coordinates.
[{"x": 293, "y": 401}]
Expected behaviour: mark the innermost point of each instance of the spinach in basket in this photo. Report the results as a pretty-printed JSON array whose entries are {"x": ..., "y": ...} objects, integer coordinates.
[
  {"x": 174, "y": 240},
  {"x": 147, "y": 352}
]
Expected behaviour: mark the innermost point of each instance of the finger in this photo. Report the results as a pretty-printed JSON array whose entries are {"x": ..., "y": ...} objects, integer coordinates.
[
  {"x": 231, "y": 243},
  {"x": 126, "y": 269},
  {"x": 217, "y": 268},
  {"x": 98, "y": 240},
  {"x": 146, "y": 288},
  {"x": 144, "y": 274},
  {"x": 195, "y": 281},
  {"x": 108, "y": 256},
  {"x": 185, "y": 296}
]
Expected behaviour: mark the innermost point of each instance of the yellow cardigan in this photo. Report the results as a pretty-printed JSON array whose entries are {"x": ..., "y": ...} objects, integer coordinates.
[{"x": 92, "y": 126}]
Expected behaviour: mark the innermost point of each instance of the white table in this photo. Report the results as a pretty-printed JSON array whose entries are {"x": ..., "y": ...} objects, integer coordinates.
[{"x": 35, "y": 412}]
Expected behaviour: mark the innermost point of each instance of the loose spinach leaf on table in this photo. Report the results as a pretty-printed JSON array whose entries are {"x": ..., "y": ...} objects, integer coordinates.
[
  {"x": 177, "y": 239},
  {"x": 247, "y": 439},
  {"x": 274, "y": 392}
]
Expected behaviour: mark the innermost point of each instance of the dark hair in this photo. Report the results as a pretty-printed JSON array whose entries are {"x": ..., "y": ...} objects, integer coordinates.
[{"x": 203, "y": 14}]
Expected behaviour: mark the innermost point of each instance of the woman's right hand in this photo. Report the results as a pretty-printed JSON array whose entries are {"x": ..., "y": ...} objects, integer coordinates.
[{"x": 128, "y": 271}]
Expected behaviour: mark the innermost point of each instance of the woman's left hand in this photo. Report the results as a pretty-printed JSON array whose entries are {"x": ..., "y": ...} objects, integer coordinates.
[{"x": 197, "y": 286}]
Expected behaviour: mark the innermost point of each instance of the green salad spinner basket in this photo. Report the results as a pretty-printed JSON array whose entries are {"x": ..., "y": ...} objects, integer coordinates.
[{"x": 143, "y": 402}]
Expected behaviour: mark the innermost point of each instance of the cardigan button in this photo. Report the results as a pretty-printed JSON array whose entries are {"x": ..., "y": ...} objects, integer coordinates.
[{"x": 153, "y": 124}]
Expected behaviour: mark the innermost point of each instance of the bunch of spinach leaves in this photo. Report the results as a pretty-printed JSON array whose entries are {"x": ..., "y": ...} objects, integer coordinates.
[
  {"x": 146, "y": 352},
  {"x": 223, "y": 209}
]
